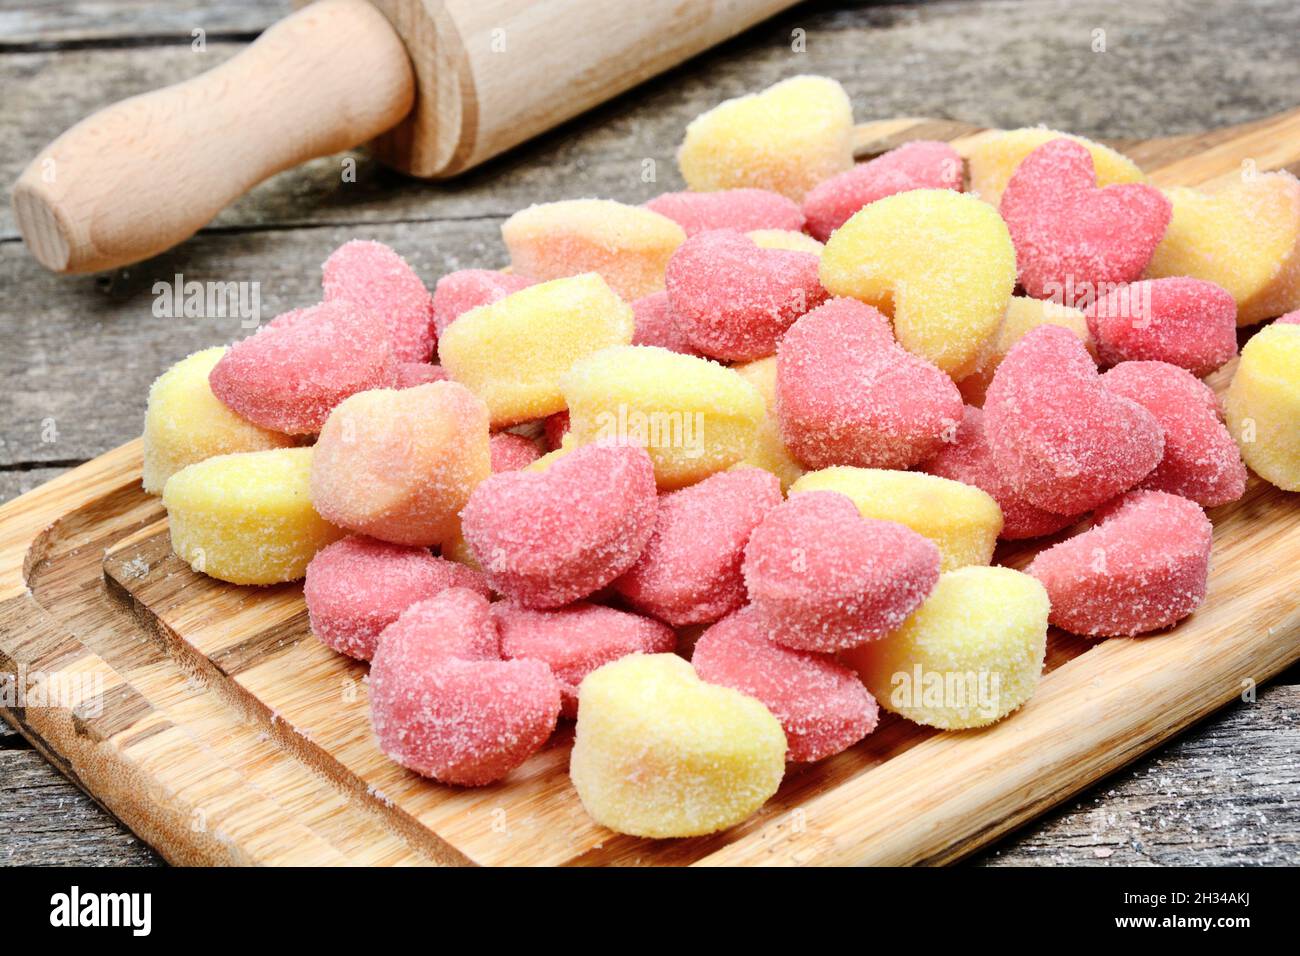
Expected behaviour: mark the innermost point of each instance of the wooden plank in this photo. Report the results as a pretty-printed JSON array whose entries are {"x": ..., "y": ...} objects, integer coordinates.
[
  {"x": 60, "y": 23},
  {"x": 44, "y": 822},
  {"x": 21, "y": 480},
  {"x": 1223, "y": 795}
]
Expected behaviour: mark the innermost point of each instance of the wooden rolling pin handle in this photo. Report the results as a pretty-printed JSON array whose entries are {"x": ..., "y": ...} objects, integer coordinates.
[{"x": 147, "y": 173}]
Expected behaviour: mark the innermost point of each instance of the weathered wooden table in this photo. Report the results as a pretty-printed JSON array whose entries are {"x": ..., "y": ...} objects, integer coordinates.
[{"x": 78, "y": 353}]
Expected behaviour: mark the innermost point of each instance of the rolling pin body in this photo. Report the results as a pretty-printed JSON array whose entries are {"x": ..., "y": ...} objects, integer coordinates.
[
  {"x": 146, "y": 173},
  {"x": 438, "y": 86}
]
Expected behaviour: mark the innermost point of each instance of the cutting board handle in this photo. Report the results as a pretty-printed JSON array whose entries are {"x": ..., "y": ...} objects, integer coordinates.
[{"x": 144, "y": 174}]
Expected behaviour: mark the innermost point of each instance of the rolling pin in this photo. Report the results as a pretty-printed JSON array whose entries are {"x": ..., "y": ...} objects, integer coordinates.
[{"x": 438, "y": 85}]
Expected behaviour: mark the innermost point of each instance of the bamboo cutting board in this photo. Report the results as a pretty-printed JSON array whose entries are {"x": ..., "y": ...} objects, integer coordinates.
[{"x": 209, "y": 719}]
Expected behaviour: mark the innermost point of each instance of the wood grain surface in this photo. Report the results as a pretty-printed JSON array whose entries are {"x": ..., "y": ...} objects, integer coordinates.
[{"x": 79, "y": 354}]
